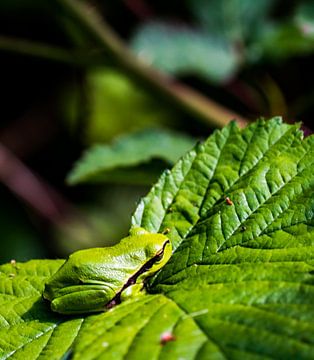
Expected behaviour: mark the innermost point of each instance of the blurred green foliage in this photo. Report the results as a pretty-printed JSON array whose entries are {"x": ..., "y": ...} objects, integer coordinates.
[
  {"x": 130, "y": 158},
  {"x": 225, "y": 36},
  {"x": 117, "y": 105},
  {"x": 181, "y": 50},
  {"x": 61, "y": 95}
]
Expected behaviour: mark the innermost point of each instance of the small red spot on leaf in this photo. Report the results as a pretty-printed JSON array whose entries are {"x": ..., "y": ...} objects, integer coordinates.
[
  {"x": 166, "y": 337},
  {"x": 229, "y": 201}
]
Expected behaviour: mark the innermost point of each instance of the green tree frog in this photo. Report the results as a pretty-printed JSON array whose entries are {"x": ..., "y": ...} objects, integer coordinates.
[{"x": 97, "y": 279}]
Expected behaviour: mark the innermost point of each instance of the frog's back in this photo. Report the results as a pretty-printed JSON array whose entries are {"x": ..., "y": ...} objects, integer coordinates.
[
  {"x": 107, "y": 265},
  {"x": 113, "y": 265}
]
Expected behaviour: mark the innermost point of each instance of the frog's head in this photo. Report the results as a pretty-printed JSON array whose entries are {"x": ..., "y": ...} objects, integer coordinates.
[{"x": 157, "y": 249}]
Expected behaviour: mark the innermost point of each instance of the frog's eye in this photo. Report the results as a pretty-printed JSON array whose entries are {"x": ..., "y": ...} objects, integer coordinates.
[{"x": 159, "y": 256}]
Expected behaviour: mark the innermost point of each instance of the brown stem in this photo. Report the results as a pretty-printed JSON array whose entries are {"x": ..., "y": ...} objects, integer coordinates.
[
  {"x": 30, "y": 188},
  {"x": 49, "y": 52}
]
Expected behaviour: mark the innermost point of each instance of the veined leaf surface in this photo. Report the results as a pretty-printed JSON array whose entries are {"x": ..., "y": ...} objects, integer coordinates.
[{"x": 240, "y": 283}]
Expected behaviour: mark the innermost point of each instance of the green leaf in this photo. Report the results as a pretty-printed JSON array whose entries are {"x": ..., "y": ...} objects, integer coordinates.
[
  {"x": 247, "y": 266},
  {"x": 233, "y": 19},
  {"x": 304, "y": 17},
  {"x": 127, "y": 158},
  {"x": 240, "y": 284},
  {"x": 281, "y": 41},
  {"x": 183, "y": 50},
  {"x": 28, "y": 329}
]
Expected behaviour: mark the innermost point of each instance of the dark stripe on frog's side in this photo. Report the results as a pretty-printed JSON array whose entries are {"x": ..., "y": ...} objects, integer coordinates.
[{"x": 132, "y": 280}]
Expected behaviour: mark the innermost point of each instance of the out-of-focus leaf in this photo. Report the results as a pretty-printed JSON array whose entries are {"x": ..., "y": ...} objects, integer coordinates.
[
  {"x": 119, "y": 161},
  {"x": 215, "y": 49},
  {"x": 304, "y": 17},
  {"x": 279, "y": 40},
  {"x": 182, "y": 50},
  {"x": 283, "y": 40},
  {"x": 115, "y": 105},
  {"x": 235, "y": 20}
]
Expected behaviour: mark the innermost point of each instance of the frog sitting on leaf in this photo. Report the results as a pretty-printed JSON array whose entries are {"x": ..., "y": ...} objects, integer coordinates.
[{"x": 97, "y": 279}]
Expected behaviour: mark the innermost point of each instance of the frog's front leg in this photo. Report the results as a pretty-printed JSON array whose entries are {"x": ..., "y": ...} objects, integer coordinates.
[
  {"x": 128, "y": 292},
  {"x": 133, "y": 291}
]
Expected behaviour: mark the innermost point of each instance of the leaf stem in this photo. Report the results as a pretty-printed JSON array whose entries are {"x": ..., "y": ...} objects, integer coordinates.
[{"x": 26, "y": 47}]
